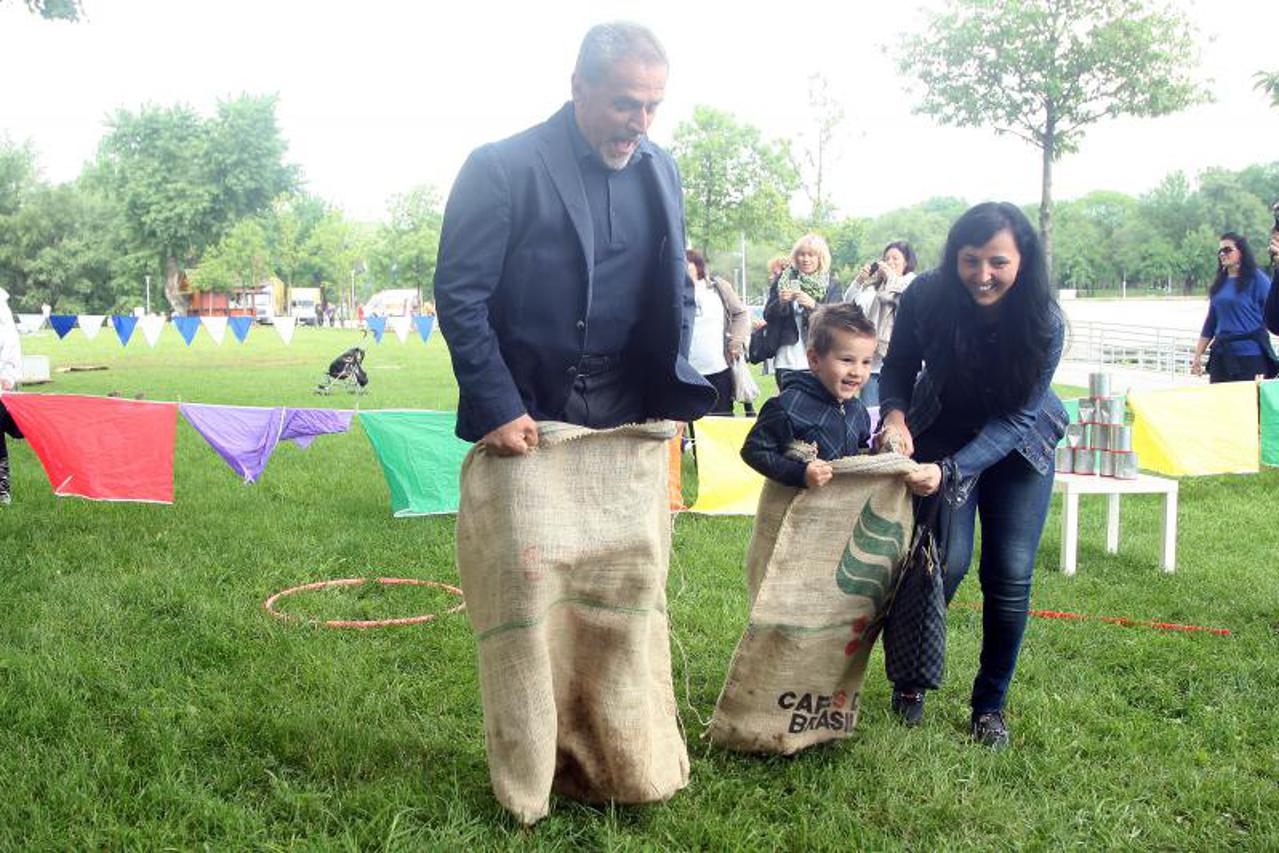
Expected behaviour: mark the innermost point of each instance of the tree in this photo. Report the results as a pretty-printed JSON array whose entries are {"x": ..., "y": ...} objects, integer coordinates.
[
  {"x": 1268, "y": 82},
  {"x": 734, "y": 181},
  {"x": 820, "y": 153},
  {"x": 1045, "y": 70},
  {"x": 239, "y": 260},
  {"x": 409, "y": 242},
  {"x": 183, "y": 181},
  {"x": 54, "y": 10}
]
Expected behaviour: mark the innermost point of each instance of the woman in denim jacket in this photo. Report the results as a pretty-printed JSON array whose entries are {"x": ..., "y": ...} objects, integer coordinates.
[{"x": 987, "y": 333}]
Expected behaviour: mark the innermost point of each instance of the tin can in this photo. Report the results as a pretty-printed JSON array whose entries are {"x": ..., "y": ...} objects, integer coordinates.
[
  {"x": 1098, "y": 384},
  {"x": 1088, "y": 411},
  {"x": 1095, "y": 436},
  {"x": 1074, "y": 435},
  {"x": 1121, "y": 438},
  {"x": 1065, "y": 459},
  {"x": 1106, "y": 463},
  {"x": 1125, "y": 466},
  {"x": 1111, "y": 410},
  {"x": 1085, "y": 461}
]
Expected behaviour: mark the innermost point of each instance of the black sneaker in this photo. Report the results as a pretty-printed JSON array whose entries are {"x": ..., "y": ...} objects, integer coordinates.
[
  {"x": 989, "y": 730},
  {"x": 909, "y": 707}
]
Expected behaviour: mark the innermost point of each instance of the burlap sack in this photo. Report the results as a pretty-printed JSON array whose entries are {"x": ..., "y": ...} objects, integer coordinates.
[
  {"x": 563, "y": 555},
  {"x": 821, "y": 569}
]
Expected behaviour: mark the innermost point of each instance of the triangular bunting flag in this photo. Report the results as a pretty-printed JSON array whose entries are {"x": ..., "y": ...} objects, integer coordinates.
[
  {"x": 216, "y": 327},
  {"x": 30, "y": 322},
  {"x": 420, "y": 457},
  {"x": 152, "y": 326},
  {"x": 91, "y": 324},
  {"x": 124, "y": 325},
  {"x": 424, "y": 325},
  {"x": 187, "y": 327},
  {"x": 62, "y": 324},
  {"x": 284, "y": 328},
  {"x": 377, "y": 325},
  {"x": 100, "y": 448},
  {"x": 401, "y": 326},
  {"x": 240, "y": 327}
]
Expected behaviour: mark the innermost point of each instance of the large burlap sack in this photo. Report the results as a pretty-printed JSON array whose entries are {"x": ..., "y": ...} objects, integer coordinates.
[
  {"x": 821, "y": 569},
  {"x": 563, "y": 555}
]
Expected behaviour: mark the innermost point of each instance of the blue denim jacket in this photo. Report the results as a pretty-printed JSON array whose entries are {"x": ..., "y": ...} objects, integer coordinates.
[{"x": 1033, "y": 430}]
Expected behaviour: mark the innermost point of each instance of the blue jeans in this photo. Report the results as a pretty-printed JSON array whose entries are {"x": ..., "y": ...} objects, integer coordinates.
[
  {"x": 870, "y": 391},
  {"x": 1012, "y": 499}
]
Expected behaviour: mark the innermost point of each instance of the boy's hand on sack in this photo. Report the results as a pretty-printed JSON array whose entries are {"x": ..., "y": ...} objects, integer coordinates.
[
  {"x": 924, "y": 480},
  {"x": 513, "y": 438},
  {"x": 818, "y": 473}
]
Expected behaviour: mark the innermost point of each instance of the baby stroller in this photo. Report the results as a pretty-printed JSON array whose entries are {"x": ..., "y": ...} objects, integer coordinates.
[{"x": 346, "y": 371}]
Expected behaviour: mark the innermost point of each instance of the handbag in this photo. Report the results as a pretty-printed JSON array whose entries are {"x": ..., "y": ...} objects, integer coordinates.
[
  {"x": 745, "y": 389},
  {"x": 915, "y": 627},
  {"x": 761, "y": 347}
]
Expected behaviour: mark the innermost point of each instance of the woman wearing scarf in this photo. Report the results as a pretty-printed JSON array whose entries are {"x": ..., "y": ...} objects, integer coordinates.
[{"x": 801, "y": 287}]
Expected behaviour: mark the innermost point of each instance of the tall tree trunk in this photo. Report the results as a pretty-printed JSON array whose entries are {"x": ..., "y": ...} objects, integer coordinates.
[
  {"x": 1046, "y": 193},
  {"x": 172, "y": 276}
]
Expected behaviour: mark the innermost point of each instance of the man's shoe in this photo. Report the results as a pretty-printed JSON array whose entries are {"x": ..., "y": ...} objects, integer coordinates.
[
  {"x": 989, "y": 730},
  {"x": 909, "y": 707}
]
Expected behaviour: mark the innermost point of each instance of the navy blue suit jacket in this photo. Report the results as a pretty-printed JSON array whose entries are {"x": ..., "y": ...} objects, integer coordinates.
[{"x": 514, "y": 278}]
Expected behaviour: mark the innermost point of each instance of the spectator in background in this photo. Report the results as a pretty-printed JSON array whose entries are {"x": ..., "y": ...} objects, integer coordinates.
[
  {"x": 876, "y": 290},
  {"x": 1235, "y": 325},
  {"x": 803, "y": 285},
  {"x": 10, "y": 371},
  {"x": 720, "y": 329},
  {"x": 1272, "y": 302}
]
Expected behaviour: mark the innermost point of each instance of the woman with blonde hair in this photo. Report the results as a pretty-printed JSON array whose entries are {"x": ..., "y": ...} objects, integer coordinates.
[{"x": 801, "y": 287}]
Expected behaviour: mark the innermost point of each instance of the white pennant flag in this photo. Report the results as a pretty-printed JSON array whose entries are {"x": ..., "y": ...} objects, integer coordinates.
[
  {"x": 401, "y": 326},
  {"x": 29, "y": 322},
  {"x": 216, "y": 327},
  {"x": 284, "y": 327},
  {"x": 152, "y": 325},
  {"x": 90, "y": 324}
]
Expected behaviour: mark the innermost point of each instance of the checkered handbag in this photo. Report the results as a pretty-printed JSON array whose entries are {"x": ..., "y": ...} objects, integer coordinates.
[{"x": 915, "y": 629}]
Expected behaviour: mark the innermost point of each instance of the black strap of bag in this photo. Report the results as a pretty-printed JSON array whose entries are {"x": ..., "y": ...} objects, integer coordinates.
[{"x": 915, "y": 627}]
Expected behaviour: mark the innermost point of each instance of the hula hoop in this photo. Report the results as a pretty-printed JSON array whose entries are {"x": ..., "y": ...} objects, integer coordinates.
[{"x": 269, "y": 604}]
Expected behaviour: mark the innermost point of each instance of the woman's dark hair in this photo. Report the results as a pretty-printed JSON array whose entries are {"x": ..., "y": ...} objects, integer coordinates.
[
  {"x": 1247, "y": 265},
  {"x": 907, "y": 252},
  {"x": 1028, "y": 316},
  {"x": 696, "y": 258}
]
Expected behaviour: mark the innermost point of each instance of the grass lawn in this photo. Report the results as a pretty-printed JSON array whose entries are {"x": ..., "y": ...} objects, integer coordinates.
[{"x": 146, "y": 701}]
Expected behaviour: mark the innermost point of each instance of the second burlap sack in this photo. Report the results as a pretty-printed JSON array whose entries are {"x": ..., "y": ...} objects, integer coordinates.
[
  {"x": 563, "y": 555},
  {"x": 821, "y": 569}
]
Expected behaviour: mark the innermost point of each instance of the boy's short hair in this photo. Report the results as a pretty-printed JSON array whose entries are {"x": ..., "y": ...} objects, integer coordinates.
[{"x": 829, "y": 320}]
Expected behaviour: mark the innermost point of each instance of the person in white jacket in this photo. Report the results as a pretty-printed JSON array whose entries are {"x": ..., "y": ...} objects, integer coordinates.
[
  {"x": 876, "y": 290},
  {"x": 10, "y": 370}
]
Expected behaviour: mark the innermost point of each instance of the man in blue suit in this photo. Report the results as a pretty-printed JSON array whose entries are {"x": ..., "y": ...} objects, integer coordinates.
[{"x": 560, "y": 280}]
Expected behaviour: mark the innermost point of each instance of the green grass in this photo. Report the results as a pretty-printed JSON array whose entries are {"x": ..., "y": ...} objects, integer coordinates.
[{"x": 146, "y": 701}]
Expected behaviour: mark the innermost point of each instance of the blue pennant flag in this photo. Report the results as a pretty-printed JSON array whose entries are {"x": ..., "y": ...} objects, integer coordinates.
[
  {"x": 424, "y": 326},
  {"x": 377, "y": 325},
  {"x": 240, "y": 326},
  {"x": 62, "y": 324},
  {"x": 124, "y": 325},
  {"x": 187, "y": 327}
]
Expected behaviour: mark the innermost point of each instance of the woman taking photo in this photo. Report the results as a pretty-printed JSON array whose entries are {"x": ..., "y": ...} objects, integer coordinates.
[
  {"x": 983, "y": 421},
  {"x": 720, "y": 329},
  {"x": 876, "y": 290},
  {"x": 801, "y": 287},
  {"x": 1235, "y": 323}
]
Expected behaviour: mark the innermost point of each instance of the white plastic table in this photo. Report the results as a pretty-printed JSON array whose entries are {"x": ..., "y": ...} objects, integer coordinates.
[{"x": 1071, "y": 486}]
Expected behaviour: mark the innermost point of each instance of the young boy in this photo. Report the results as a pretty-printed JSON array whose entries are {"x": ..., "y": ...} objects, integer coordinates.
[{"x": 820, "y": 405}]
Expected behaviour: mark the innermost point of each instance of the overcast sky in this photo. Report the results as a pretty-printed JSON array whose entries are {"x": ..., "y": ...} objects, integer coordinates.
[{"x": 378, "y": 97}]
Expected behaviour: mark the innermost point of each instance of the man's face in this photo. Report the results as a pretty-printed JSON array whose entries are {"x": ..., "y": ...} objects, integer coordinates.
[{"x": 614, "y": 113}]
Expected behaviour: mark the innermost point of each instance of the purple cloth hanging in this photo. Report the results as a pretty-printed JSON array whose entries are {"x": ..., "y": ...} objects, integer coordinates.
[{"x": 246, "y": 436}]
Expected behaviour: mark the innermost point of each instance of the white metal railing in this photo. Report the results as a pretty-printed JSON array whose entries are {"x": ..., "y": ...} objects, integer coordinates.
[{"x": 1160, "y": 350}]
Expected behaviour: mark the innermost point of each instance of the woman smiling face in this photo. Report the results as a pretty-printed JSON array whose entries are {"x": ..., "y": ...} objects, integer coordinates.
[{"x": 990, "y": 271}]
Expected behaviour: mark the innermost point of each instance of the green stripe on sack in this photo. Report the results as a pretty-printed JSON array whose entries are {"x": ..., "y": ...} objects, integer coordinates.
[
  {"x": 593, "y": 603},
  {"x": 881, "y": 528}
]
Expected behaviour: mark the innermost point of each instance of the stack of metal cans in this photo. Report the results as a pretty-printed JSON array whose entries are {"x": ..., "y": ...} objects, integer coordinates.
[{"x": 1100, "y": 444}]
